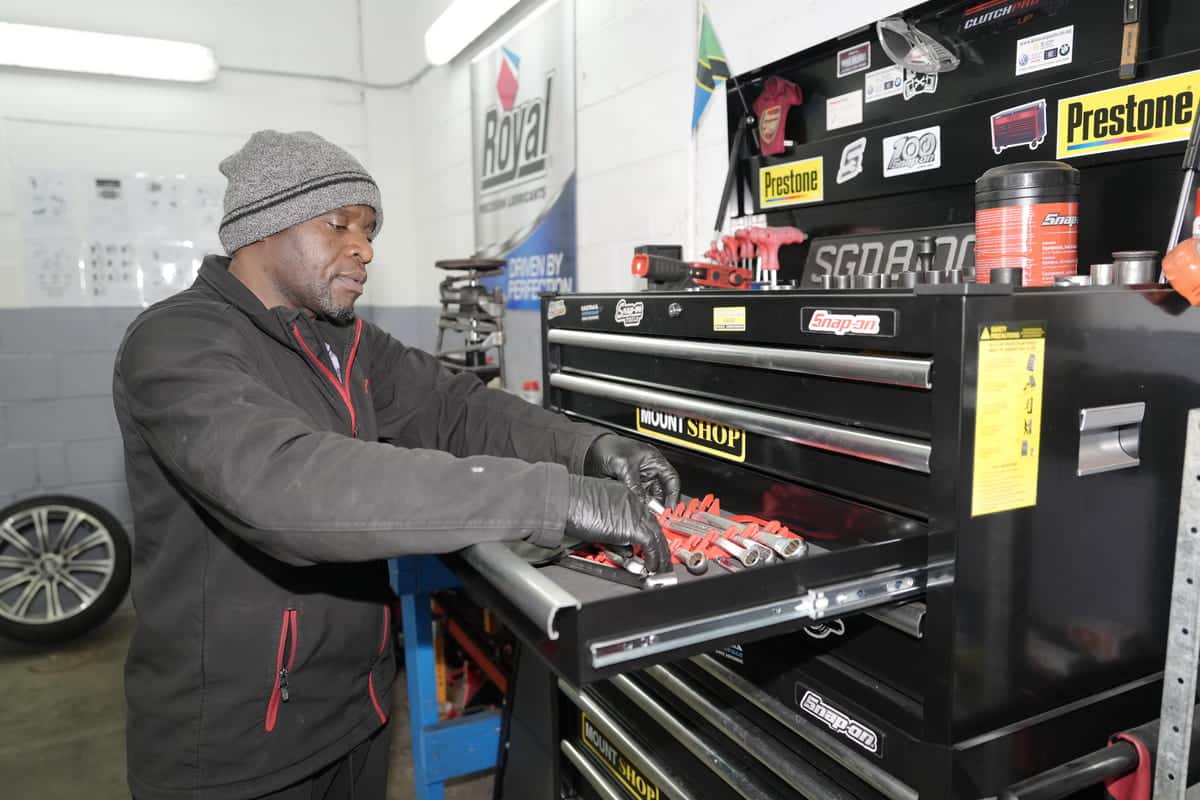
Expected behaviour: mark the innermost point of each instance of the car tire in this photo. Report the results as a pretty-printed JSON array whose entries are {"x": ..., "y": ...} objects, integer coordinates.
[{"x": 64, "y": 567}]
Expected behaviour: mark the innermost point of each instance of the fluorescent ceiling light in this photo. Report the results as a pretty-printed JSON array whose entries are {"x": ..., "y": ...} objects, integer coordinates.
[
  {"x": 39, "y": 47},
  {"x": 461, "y": 24}
]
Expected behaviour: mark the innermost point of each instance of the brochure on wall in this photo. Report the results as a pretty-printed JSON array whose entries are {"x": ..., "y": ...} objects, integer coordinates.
[{"x": 113, "y": 239}]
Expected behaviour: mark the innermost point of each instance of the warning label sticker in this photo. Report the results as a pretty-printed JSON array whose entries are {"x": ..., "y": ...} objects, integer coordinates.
[{"x": 1008, "y": 417}]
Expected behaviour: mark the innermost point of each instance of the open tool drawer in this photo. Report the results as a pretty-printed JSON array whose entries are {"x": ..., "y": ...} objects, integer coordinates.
[
  {"x": 590, "y": 628},
  {"x": 833, "y": 443}
]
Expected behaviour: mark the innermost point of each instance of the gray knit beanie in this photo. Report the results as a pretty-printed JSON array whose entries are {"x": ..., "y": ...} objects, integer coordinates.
[{"x": 282, "y": 179}]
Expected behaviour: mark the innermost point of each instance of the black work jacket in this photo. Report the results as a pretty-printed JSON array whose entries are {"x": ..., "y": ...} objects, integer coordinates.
[{"x": 267, "y": 491}]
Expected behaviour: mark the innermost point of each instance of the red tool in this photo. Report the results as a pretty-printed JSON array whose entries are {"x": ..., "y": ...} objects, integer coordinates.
[
  {"x": 769, "y": 241},
  {"x": 717, "y": 276}
]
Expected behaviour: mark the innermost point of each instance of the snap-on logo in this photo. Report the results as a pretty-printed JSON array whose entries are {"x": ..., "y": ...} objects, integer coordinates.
[
  {"x": 823, "y": 321},
  {"x": 629, "y": 314},
  {"x": 840, "y": 723},
  {"x": 1058, "y": 219}
]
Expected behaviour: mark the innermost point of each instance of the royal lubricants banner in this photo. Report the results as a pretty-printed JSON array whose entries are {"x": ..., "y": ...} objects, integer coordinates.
[{"x": 523, "y": 135}]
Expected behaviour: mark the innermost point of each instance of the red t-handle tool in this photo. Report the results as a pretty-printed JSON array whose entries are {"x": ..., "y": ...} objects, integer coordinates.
[{"x": 769, "y": 240}]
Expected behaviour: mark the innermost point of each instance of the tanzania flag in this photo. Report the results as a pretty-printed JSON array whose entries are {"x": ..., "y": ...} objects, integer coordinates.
[{"x": 710, "y": 66}]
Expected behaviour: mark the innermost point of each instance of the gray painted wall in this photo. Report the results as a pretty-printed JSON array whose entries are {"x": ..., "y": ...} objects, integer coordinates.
[{"x": 58, "y": 432}]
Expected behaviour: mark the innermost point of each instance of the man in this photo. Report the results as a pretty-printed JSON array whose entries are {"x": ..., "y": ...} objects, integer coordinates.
[{"x": 277, "y": 450}]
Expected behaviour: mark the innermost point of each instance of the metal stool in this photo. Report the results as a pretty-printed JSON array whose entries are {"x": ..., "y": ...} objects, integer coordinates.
[{"x": 473, "y": 316}]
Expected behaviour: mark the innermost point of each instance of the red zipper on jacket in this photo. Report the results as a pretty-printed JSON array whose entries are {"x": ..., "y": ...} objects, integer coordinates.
[
  {"x": 342, "y": 387},
  {"x": 387, "y": 614},
  {"x": 280, "y": 692}
]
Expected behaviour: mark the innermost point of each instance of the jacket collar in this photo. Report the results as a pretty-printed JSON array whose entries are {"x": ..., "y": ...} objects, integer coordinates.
[{"x": 276, "y": 322}]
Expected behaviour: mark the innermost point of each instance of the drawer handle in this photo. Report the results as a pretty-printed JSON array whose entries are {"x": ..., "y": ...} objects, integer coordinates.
[
  {"x": 895, "y": 451},
  {"x": 912, "y": 373}
]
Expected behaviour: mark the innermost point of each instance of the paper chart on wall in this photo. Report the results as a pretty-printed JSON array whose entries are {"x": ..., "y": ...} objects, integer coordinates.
[
  {"x": 53, "y": 273},
  {"x": 112, "y": 239}
]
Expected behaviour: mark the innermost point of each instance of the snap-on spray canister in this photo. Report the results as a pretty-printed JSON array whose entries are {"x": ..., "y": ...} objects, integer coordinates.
[{"x": 1027, "y": 216}]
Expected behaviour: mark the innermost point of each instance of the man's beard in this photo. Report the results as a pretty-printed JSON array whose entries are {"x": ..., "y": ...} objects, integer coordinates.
[{"x": 330, "y": 309}]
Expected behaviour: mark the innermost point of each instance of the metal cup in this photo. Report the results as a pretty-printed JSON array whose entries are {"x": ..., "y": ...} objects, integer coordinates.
[
  {"x": 1136, "y": 266},
  {"x": 1103, "y": 274},
  {"x": 868, "y": 281},
  {"x": 841, "y": 282},
  {"x": 1007, "y": 275}
]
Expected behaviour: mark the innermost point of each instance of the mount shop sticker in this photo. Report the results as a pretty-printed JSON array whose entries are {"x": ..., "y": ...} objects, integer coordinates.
[
  {"x": 1008, "y": 417},
  {"x": 630, "y": 777},
  {"x": 1046, "y": 50},
  {"x": 853, "y": 59},
  {"x": 791, "y": 184},
  {"x": 1128, "y": 116},
  {"x": 916, "y": 151},
  {"x": 840, "y": 722},
  {"x": 849, "y": 321},
  {"x": 695, "y": 434}
]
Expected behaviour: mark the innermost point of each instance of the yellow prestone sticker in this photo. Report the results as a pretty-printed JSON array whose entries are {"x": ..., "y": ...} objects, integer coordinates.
[
  {"x": 792, "y": 184},
  {"x": 729, "y": 318},
  {"x": 1129, "y": 115},
  {"x": 1008, "y": 417},
  {"x": 632, "y": 780}
]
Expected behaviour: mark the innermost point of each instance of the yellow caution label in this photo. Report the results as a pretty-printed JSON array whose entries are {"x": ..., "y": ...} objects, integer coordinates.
[
  {"x": 1008, "y": 417},
  {"x": 1128, "y": 116},
  {"x": 713, "y": 438},
  {"x": 631, "y": 778},
  {"x": 729, "y": 319},
  {"x": 792, "y": 184}
]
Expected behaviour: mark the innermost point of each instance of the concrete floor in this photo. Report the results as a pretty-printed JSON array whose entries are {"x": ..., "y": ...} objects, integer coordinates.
[{"x": 62, "y": 722}]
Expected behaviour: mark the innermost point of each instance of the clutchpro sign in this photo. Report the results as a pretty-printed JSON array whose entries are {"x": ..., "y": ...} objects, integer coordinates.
[{"x": 523, "y": 139}]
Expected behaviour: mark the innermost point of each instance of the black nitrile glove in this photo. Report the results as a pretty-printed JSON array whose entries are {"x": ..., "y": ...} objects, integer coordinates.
[
  {"x": 605, "y": 512},
  {"x": 639, "y": 466}
]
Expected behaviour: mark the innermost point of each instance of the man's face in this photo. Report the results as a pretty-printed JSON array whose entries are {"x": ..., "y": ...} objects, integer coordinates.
[{"x": 320, "y": 265}]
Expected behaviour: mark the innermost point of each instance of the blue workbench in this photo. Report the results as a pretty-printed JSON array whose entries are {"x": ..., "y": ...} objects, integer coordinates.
[{"x": 440, "y": 750}]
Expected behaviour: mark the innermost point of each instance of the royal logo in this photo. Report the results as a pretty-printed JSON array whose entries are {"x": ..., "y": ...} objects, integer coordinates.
[
  {"x": 515, "y": 135},
  {"x": 840, "y": 722},
  {"x": 1058, "y": 219},
  {"x": 823, "y": 321},
  {"x": 1134, "y": 115},
  {"x": 629, "y": 314}
]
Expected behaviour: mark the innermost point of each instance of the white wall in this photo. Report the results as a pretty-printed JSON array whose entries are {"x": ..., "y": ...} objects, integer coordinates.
[
  {"x": 635, "y": 67},
  {"x": 56, "y": 120}
]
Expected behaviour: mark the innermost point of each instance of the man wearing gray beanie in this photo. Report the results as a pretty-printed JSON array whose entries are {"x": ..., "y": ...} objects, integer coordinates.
[{"x": 278, "y": 450}]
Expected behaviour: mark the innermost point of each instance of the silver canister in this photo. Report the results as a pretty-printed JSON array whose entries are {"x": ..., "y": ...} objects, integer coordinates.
[
  {"x": 1103, "y": 274},
  {"x": 1136, "y": 266},
  {"x": 841, "y": 282},
  {"x": 826, "y": 281},
  {"x": 868, "y": 281},
  {"x": 906, "y": 280}
]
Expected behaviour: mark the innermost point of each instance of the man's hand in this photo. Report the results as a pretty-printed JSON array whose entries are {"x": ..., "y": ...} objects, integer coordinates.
[
  {"x": 639, "y": 466},
  {"x": 605, "y": 512}
]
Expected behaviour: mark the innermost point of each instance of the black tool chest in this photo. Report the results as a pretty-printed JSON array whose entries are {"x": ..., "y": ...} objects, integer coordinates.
[
  {"x": 960, "y": 622},
  {"x": 1021, "y": 638}
]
